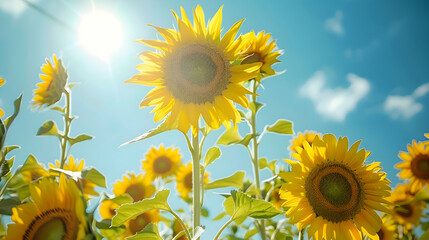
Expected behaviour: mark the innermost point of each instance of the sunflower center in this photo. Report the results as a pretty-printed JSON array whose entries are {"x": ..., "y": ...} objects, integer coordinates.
[
  {"x": 188, "y": 181},
  {"x": 52, "y": 230},
  {"x": 162, "y": 165},
  {"x": 35, "y": 175},
  {"x": 381, "y": 234},
  {"x": 334, "y": 192},
  {"x": 405, "y": 210},
  {"x": 136, "y": 191},
  {"x": 420, "y": 166},
  {"x": 138, "y": 223},
  {"x": 197, "y": 73},
  {"x": 252, "y": 58}
]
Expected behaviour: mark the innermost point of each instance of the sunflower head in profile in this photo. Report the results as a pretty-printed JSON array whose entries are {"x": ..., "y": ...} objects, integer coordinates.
[
  {"x": 2, "y": 81},
  {"x": 108, "y": 209},
  {"x": 34, "y": 174},
  {"x": 137, "y": 224},
  {"x": 406, "y": 214},
  {"x": 57, "y": 212},
  {"x": 297, "y": 142},
  {"x": 332, "y": 191},
  {"x": 53, "y": 83},
  {"x": 257, "y": 49},
  {"x": 76, "y": 166},
  {"x": 415, "y": 166},
  {"x": 161, "y": 162},
  {"x": 184, "y": 180},
  {"x": 387, "y": 230},
  {"x": 194, "y": 73},
  {"x": 137, "y": 187}
]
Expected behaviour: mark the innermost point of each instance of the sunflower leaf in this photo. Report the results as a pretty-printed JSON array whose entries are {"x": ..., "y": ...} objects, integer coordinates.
[
  {"x": 212, "y": 154},
  {"x": 30, "y": 164},
  {"x": 255, "y": 106},
  {"x": 7, "y": 204},
  {"x": 235, "y": 180},
  {"x": 130, "y": 211},
  {"x": 79, "y": 138},
  {"x": 48, "y": 128},
  {"x": 150, "y": 232},
  {"x": 230, "y": 136},
  {"x": 163, "y": 127},
  {"x": 281, "y": 127},
  {"x": 17, "y": 105},
  {"x": 246, "y": 206},
  {"x": 2, "y": 133},
  {"x": 94, "y": 176},
  {"x": 8, "y": 149},
  {"x": 58, "y": 108}
]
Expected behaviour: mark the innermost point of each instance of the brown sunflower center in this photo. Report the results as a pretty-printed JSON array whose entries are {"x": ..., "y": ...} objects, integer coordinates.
[
  {"x": 252, "y": 58},
  {"x": 188, "y": 181},
  {"x": 381, "y": 233},
  {"x": 138, "y": 223},
  {"x": 136, "y": 191},
  {"x": 197, "y": 73},
  {"x": 53, "y": 224},
  {"x": 334, "y": 192},
  {"x": 420, "y": 166},
  {"x": 162, "y": 165},
  {"x": 35, "y": 175},
  {"x": 405, "y": 210}
]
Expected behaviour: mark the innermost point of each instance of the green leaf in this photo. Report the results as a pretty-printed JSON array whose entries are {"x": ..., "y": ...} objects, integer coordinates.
[
  {"x": 7, "y": 204},
  {"x": 94, "y": 176},
  {"x": 424, "y": 236},
  {"x": 109, "y": 232},
  {"x": 17, "y": 105},
  {"x": 246, "y": 140},
  {"x": 160, "y": 129},
  {"x": 122, "y": 199},
  {"x": 255, "y": 106},
  {"x": 246, "y": 206},
  {"x": 79, "y": 138},
  {"x": 281, "y": 127},
  {"x": 30, "y": 164},
  {"x": 235, "y": 180},
  {"x": 2, "y": 134},
  {"x": 250, "y": 233},
  {"x": 230, "y": 136},
  {"x": 130, "y": 211},
  {"x": 204, "y": 212},
  {"x": 263, "y": 163},
  {"x": 58, "y": 108},
  {"x": 8, "y": 149},
  {"x": 212, "y": 154},
  {"x": 150, "y": 232},
  {"x": 220, "y": 216},
  {"x": 48, "y": 128}
]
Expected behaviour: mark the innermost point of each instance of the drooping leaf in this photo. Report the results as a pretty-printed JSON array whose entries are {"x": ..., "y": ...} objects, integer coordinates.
[
  {"x": 130, "y": 211},
  {"x": 246, "y": 206},
  {"x": 17, "y": 105},
  {"x": 230, "y": 136},
  {"x": 281, "y": 127},
  {"x": 212, "y": 154},
  {"x": 58, "y": 108},
  {"x": 163, "y": 127},
  {"x": 6, "y": 205},
  {"x": 235, "y": 180},
  {"x": 94, "y": 176},
  {"x": 48, "y": 128},
  {"x": 246, "y": 140},
  {"x": 150, "y": 232},
  {"x": 79, "y": 138}
]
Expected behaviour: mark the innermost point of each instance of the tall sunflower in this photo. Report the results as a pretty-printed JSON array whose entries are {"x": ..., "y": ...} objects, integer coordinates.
[
  {"x": 257, "y": 49},
  {"x": 108, "y": 209},
  {"x": 184, "y": 180},
  {"x": 136, "y": 186},
  {"x": 331, "y": 190},
  {"x": 137, "y": 224},
  {"x": 57, "y": 212},
  {"x": 2, "y": 81},
  {"x": 415, "y": 166},
  {"x": 194, "y": 73},
  {"x": 297, "y": 142},
  {"x": 161, "y": 162},
  {"x": 86, "y": 186},
  {"x": 52, "y": 87},
  {"x": 408, "y": 214}
]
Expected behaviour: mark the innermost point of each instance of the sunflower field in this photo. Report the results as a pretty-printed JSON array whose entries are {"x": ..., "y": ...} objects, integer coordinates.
[{"x": 217, "y": 150}]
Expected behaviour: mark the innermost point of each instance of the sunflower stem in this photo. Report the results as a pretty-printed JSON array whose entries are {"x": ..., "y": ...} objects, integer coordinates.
[
  {"x": 196, "y": 203},
  {"x": 301, "y": 235},
  {"x": 67, "y": 123},
  {"x": 188, "y": 235},
  {"x": 222, "y": 228}
]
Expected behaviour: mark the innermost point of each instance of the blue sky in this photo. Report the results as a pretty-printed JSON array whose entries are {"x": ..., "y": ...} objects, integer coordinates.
[{"x": 353, "y": 68}]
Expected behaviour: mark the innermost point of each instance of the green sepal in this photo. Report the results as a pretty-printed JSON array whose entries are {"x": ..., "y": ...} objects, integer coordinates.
[{"x": 235, "y": 180}]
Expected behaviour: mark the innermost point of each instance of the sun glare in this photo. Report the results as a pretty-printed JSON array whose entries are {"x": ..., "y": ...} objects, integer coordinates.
[{"x": 101, "y": 33}]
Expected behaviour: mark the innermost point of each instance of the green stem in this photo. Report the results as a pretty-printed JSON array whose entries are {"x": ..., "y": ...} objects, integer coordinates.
[
  {"x": 196, "y": 203},
  {"x": 67, "y": 123},
  {"x": 188, "y": 235},
  {"x": 222, "y": 228},
  {"x": 301, "y": 235}
]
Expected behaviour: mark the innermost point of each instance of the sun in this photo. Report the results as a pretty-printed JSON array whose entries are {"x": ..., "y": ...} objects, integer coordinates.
[{"x": 101, "y": 33}]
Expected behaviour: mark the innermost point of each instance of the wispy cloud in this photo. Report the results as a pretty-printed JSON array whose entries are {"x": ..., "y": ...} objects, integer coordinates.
[
  {"x": 334, "y": 104},
  {"x": 14, "y": 7},
  {"x": 334, "y": 24},
  {"x": 405, "y": 106}
]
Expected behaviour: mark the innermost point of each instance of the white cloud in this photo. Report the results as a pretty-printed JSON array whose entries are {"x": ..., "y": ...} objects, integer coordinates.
[
  {"x": 14, "y": 7},
  {"x": 405, "y": 106},
  {"x": 334, "y": 104},
  {"x": 334, "y": 24}
]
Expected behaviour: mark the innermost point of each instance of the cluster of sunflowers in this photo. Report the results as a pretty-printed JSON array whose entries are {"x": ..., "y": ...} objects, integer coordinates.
[{"x": 329, "y": 192}]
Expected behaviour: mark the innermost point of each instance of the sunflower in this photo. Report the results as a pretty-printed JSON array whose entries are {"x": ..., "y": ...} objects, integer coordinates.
[
  {"x": 387, "y": 230},
  {"x": 86, "y": 186},
  {"x": 34, "y": 174},
  {"x": 297, "y": 142},
  {"x": 161, "y": 162},
  {"x": 54, "y": 82},
  {"x": 331, "y": 190},
  {"x": 257, "y": 49},
  {"x": 415, "y": 166},
  {"x": 136, "y": 186},
  {"x": 275, "y": 198},
  {"x": 427, "y": 136},
  {"x": 108, "y": 209},
  {"x": 408, "y": 214},
  {"x": 57, "y": 212},
  {"x": 2, "y": 81},
  {"x": 137, "y": 224},
  {"x": 193, "y": 73},
  {"x": 184, "y": 180}
]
